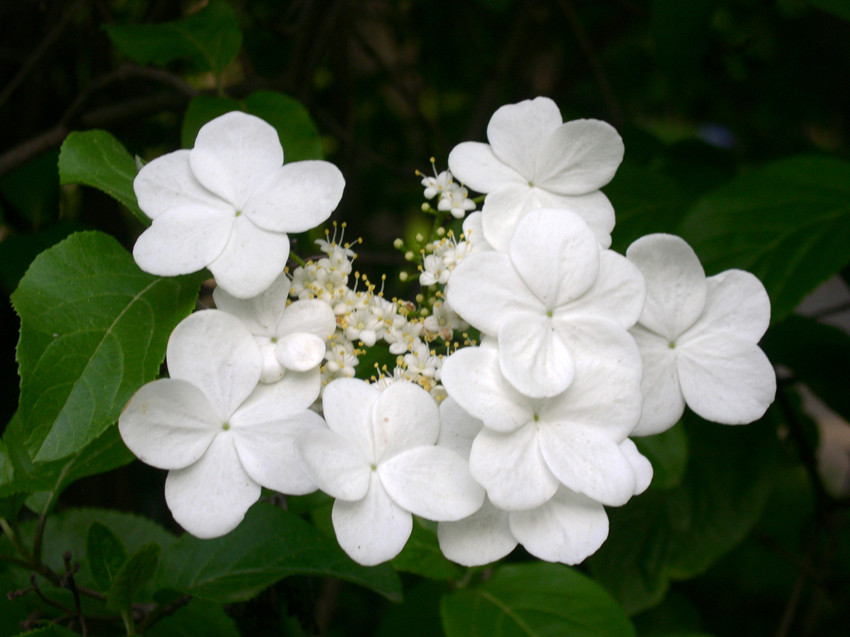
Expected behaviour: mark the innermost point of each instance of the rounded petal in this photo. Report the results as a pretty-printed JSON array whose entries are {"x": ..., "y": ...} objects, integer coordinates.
[
  {"x": 503, "y": 209},
  {"x": 512, "y": 469},
  {"x": 475, "y": 166},
  {"x": 663, "y": 402},
  {"x": 169, "y": 423},
  {"x": 309, "y": 315},
  {"x": 617, "y": 294},
  {"x": 472, "y": 377},
  {"x": 374, "y": 529},
  {"x": 215, "y": 352},
  {"x": 726, "y": 379},
  {"x": 251, "y": 260},
  {"x": 168, "y": 182},
  {"x": 594, "y": 208},
  {"x": 260, "y": 313},
  {"x": 675, "y": 283},
  {"x": 578, "y": 157},
  {"x": 233, "y": 154},
  {"x": 457, "y": 428},
  {"x": 431, "y": 482},
  {"x": 269, "y": 454},
  {"x": 736, "y": 302},
  {"x": 479, "y": 539},
  {"x": 210, "y": 497},
  {"x": 519, "y": 132},
  {"x": 533, "y": 357},
  {"x": 484, "y": 290},
  {"x": 296, "y": 197},
  {"x": 183, "y": 240},
  {"x": 556, "y": 255},
  {"x": 293, "y": 394},
  {"x": 333, "y": 465},
  {"x": 347, "y": 406},
  {"x": 300, "y": 351},
  {"x": 403, "y": 416},
  {"x": 567, "y": 529},
  {"x": 641, "y": 466}
]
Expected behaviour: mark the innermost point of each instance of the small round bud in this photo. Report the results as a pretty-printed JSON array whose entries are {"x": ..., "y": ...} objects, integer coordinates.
[
  {"x": 419, "y": 237},
  {"x": 398, "y": 244},
  {"x": 403, "y": 276},
  {"x": 408, "y": 255},
  {"x": 441, "y": 232}
]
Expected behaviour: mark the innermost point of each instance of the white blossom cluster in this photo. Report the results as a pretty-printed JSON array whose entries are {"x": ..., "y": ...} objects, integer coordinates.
[{"x": 522, "y": 438}]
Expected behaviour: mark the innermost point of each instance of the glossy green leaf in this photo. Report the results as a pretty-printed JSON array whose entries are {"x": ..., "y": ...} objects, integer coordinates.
[
  {"x": 196, "y": 618},
  {"x": 132, "y": 576},
  {"x": 211, "y": 37},
  {"x": 93, "y": 330},
  {"x": 106, "y": 555},
  {"x": 95, "y": 158},
  {"x": 422, "y": 555},
  {"x": 788, "y": 223},
  {"x": 668, "y": 453},
  {"x": 269, "y": 545},
  {"x": 678, "y": 533},
  {"x": 533, "y": 600}
]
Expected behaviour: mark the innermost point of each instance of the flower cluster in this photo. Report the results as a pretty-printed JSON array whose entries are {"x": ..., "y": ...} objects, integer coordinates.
[{"x": 518, "y": 434}]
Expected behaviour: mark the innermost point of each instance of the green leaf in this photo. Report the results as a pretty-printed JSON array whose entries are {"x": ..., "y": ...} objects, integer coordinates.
[
  {"x": 788, "y": 223},
  {"x": 269, "y": 545},
  {"x": 132, "y": 577},
  {"x": 295, "y": 128},
  {"x": 422, "y": 555},
  {"x": 681, "y": 532},
  {"x": 668, "y": 453},
  {"x": 211, "y": 38},
  {"x": 95, "y": 158},
  {"x": 818, "y": 356},
  {"x": 17, "y": 251},
  {"x": 106, "y": 555},
  {"x": 93, "y": 330},
  {"x": 197, "y": 618},
  {"x": 533, "y": 600}
]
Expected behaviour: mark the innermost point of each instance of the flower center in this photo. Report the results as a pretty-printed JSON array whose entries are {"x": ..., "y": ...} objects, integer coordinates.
[
  {"x": 238, "y": 213},
  {"x": 672, "y": 344},
  {"x": 225, "y": 426}
]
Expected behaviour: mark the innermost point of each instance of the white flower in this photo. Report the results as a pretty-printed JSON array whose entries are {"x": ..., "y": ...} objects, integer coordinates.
[
  {"x": 554, "y": 290},
  {"x": 534, "y": 160},
  {"x": 699, "y": 338},
  {"x": 290, "y": 337},
  {"x": 379, "y": 461},
  {"x": 220, "y": 435},
  {"x": 228, "y": 203}
]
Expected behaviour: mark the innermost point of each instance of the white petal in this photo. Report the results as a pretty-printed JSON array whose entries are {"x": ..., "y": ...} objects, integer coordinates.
[
  {"x": 594, "y": 208},
  {"x": 210, "y": 497},
  {"x": 736, "y": 302},
  {"x": 215, "y": 352},
  {"x": 475, "y": 166},
  {"x": 640, "y": 464},
  {"x": 233, "y": 154},
  {"x": 518, "y": 132},
  {"x": 293, "y": 394},
  {"x": 251, "y": 260},
  {"x": 512, "y": 469},
  {"x": 556, "y": 255},
  {"x": 567, "y": 529},
  {"x": 374, "y": 529},
  {"x": 663, "y": 403},
  {"x": 484, "y": 289},
  {"x": 587, "y": 460},
  {"x": 183, "y": 240},
  {"x": 296, "y": 197},
  {"x": 403, "y": 416},
  {"x": 300, "y": 351},
  {"x": 167, "y": 182},
  {"x": 472, "y": 377},
  {"x": 432, "y": 482},
  {"x": 579, "y": 157},
  {"x": 726, "y": 379},
  {"x": 260, "y": 313},
  {"x": 334, "y": 465},
  {"x": 617, "y": 294},
  {"x": 483, "y": 537},
  {"x": 268, "y": 452},
  {"x": 457, "y": 428},
  {"x": 533, "y": 357},
  {"x": 169, "y": 423},
  {"x": 503, "y": 209},
  {"x": 675, "y": 283},
  {"x": 309, "y": 315},
  {"x": 347, "y": 406},
  {"x": 272, "y": 370}
]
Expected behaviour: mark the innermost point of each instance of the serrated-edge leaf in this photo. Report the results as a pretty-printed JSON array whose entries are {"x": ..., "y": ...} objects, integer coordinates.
[
  {"x": 95, "y": 158},
  {"x": 106, "y": 555},
  {"x": 133, "y": 575}
]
